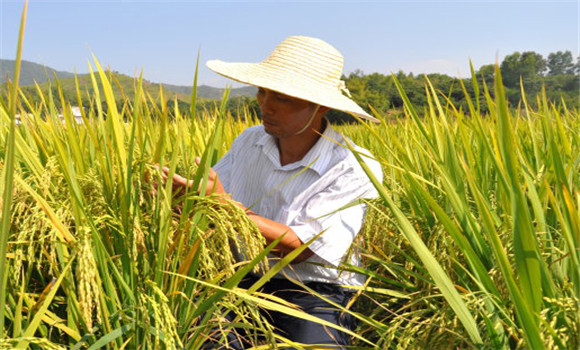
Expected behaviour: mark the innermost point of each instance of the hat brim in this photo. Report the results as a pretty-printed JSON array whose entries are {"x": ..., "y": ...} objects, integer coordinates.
[{"x": 262, "y": 75}]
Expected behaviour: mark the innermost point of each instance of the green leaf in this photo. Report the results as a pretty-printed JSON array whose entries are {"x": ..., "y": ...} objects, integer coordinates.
[
  {"x": 33, "y": 325},
  {"x": 7, "y": 179},
  {"x": 437, "y": 273}
]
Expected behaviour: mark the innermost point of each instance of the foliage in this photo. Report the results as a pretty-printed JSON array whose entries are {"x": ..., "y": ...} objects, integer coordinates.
[
  {"x": 473, "y": 242},
  {"x": 496, "y": 199},
  {"x": 528, "y": 66},
  {"x": 558, "y": 74},
  {"x": 560, "y": 63},
  {"x": 130, "y": 268},
  {"x": 96, "y": 255},
  {"x": 562, "y": 83}
]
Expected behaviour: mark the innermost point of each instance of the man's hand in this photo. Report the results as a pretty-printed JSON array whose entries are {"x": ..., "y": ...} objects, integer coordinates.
[
  {"x": 180, "y": 183},
  {"x": 214, "y": 185},
  {"x": 270, "y": 229}
]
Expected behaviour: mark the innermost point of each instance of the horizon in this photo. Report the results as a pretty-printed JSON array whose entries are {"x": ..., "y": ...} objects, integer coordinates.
[{"x": 439, "y": 37}]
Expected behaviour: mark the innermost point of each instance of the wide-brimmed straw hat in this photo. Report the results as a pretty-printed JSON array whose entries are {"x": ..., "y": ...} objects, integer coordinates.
[{"x": 302, "y": 67}]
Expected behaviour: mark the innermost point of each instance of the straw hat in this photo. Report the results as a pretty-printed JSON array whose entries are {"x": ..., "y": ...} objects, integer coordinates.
[{"x": 302, "y": 67}]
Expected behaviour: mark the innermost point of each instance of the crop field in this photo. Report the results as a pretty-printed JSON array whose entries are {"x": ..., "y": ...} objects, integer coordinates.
[{"x": 473, "y": 243}]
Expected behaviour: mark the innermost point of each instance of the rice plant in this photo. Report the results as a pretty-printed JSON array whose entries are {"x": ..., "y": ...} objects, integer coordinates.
[
  {"x": 496, "y": 200},
  {"x": 99, "y": 252},
  {"x": 473, "y": 243}
]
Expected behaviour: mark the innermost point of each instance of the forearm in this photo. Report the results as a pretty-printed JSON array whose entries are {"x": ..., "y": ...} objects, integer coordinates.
[{"x": 271, "y": 230}]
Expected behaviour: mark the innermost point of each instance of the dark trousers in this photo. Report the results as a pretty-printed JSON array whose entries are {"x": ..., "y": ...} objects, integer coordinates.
[{"x": 297, "y": 329}]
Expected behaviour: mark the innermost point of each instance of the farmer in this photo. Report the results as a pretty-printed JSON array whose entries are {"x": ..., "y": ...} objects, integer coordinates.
[{"x": 294, "y": 182}]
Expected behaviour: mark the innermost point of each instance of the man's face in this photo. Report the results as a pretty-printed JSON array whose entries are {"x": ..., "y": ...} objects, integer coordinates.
[{"x": 283, "y": 115}]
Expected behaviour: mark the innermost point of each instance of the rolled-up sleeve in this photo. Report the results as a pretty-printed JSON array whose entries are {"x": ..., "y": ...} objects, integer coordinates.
[{"x": 322, "y": 214}]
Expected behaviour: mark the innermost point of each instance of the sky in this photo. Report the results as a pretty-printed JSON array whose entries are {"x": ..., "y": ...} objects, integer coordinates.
[{"x": 163, "y": 38}]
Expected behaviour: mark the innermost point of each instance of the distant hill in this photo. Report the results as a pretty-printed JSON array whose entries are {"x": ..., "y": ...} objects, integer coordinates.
[
  {"x": 31, "y": 72},
  {"x": 210, "y": 92}
]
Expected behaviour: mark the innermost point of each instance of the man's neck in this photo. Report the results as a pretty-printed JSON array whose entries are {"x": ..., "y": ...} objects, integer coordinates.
[{"x": 294, "y": 148}]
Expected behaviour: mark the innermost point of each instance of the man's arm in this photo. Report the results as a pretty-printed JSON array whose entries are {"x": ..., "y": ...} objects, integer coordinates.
[{"x": 270, "y": 229}]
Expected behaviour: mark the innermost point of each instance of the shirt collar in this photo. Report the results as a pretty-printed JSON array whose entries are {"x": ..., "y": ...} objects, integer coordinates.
[{"x": 318, "y": 155}]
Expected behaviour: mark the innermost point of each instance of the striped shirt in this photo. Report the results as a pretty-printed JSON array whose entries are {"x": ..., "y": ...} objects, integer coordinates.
[{"x": 305, "y": 195}]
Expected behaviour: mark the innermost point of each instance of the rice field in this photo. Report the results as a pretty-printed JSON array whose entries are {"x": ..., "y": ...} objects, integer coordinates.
[{"x": 473, "y": 243}]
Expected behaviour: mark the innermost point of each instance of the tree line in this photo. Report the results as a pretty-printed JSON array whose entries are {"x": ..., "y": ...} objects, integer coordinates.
[{"x": 558, "y": 74}]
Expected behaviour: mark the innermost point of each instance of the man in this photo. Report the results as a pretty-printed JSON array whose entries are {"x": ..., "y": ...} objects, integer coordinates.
[{"x": 292, "y": 181}]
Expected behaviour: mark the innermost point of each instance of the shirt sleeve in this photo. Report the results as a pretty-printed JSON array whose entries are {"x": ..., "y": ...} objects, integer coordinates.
[{"x": 322, "y": 214}]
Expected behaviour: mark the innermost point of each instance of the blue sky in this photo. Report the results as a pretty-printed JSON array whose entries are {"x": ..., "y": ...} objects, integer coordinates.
[{"x": 163, "y": 37}]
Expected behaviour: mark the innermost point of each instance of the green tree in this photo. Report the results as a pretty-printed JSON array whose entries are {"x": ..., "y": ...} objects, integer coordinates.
[
  {"x": 486, "y": 73},
  {"x": 528, "y": 66},
  {"x": 560, "y": 62}
]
